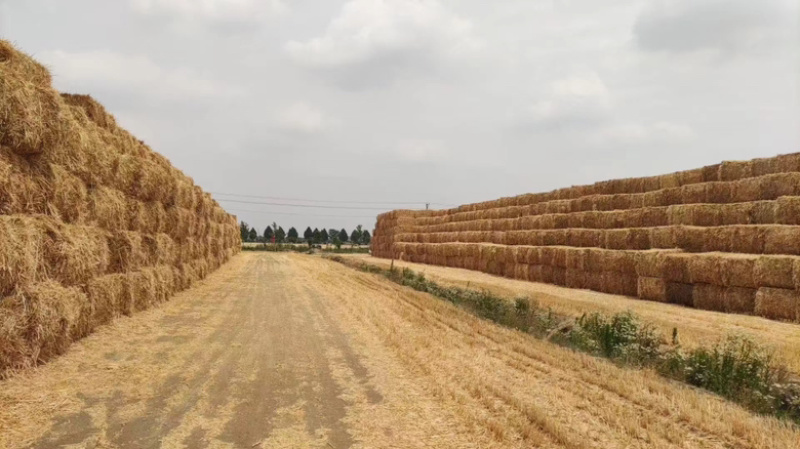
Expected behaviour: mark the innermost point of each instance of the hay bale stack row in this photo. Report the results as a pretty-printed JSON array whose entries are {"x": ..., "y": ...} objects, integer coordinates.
[
  {"x": 93, "y": 223},
  {"x": 724, "y": 237}
]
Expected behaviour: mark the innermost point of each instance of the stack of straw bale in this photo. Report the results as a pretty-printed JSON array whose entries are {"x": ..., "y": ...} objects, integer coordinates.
[
  {"x": 93, "y": 223},
  {"x": 724, "y": 237}
]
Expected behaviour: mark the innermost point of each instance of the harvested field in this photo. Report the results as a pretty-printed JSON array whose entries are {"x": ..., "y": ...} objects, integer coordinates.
[
  {"x": 295, "y": 351},
  {"x": 695, "y": 327},
  {"x": 93, "y": 223}
]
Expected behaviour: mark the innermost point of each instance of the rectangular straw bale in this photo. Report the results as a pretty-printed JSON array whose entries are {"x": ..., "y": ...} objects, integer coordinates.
[
  {"x": 106, "y": 296},
  {"x": 775, "y": 271},
  {"x": 654, "y": 216},
  {"x": 782, "y": 240},
  {"x": 39, "y": 322},
  {"x": 736, "y": 214},
  {"x": 676, "y": 267},
  {"x": 747, "y": 239},
  {"x": 764, "y": 166},
  {"x": 695, "y": 176},
  {"x": 107, "y": 208},
  {"x": 787, "y": 210},
  {"x": 720, "y": 238},
  {"x": 559, "y": 276},
  {"x": 652, "y": 289},
  {"x": 126, "y": 250},
  {"x": 694, "y": 193},
  {"x": 691, "y": 238},
  {"x": 70, "y": 196},
  {"x": 709, "y": 297},
  {"x": 654, "y": 199},
  {"x": 738, "y": 270},
  {"x": 780, "y": 184},
  {"x": 575, "y": 278},
  {"x": 680, "y": 293},
  {"x": 735, "y": 170},
  {"x": 75, "y": 254},
  {"x": 22, "y": 241},
  {"x": 750, "y": 189},
  {"x": 649, "y": 264},
  {"x": 586, "y": 238},
  {"x": 618, "y": 238},
  {"x": 711, "y": 173},
  {"x": 576, "y": 258},
  {"x": 705, "y": 269},
  {"x": 668, "y": 180},
  {"x": 740, "y": 300},
  {"x": 621, "y": 262},
  {"x": 620, "y": 284},
  {"x": 788, "y": 162},
  {"x": 777, "y": 303},
  {"x": 663, "y": 237},
  {"x": 719, "y": 193}
]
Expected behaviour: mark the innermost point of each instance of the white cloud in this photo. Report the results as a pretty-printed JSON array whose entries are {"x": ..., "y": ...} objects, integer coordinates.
[
  {"x": 220, "y": 11},
  {"x": 633, "y": 133},
  {"x": 390, "y": 35},
  {"x": 720, "y": 26},
  {"x": 303, "y": 118},
  {"x": 572, "y": 100},
  {"x": 421, "y": 150},
  {"x": 91, "y": 70}
]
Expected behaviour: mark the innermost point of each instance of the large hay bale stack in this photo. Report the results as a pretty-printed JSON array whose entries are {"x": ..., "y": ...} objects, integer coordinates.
[
  {"x": 93, "y": 223},
  {"x": 724, "y": 237}
]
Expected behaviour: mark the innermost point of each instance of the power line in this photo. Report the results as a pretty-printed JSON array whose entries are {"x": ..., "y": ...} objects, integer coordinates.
[
  {"x": 305, "y": 205},
  {"x": 318, "y": 201},
  {"x": 295, "y": 213}
]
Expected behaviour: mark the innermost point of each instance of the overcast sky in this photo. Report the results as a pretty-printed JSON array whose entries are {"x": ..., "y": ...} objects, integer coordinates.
[{"x": 439, "y": 101}]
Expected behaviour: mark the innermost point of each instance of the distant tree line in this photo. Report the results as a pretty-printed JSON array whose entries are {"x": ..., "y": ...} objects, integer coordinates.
[{"x": 273, "y": 232}]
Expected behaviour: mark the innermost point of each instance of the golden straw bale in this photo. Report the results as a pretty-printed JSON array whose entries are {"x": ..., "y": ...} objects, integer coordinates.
[
  {"x": 676, "y": 267},
  {"x": 787, "y": 163},
  {"x": 709, "y": 297},
  {"x": 705, "y": 269},
  {"x": 774, "y": 271},
  {"x": 782, "y": 240},
  {"x": 652, "y": 289},
  {"x": 764, "y": 166},
  {"x": 30, "y": 114},
  {"x": 618, "y": 239},
  {"x": 39, "y": 321},
  {"x": 694, "y": 193},
  {"x": 736, "y": 214},
  {"x": 654, "y": 216},
  {"x": 127, "y": 170},
  {"x": 127, "y": 252},
  {"x": 735, "y": 170},
  {"x": 575, "y": 278},
  {"x": 720, "y": 238},
  {"x": 70, "y": 196},
  {"x": 142, "y": 288},
  {"x": 711, "y": 173},
  {"x": 780, "y": 184},
  {"x": 669, "y": 180},
  {"x": 136, "y": 215},
  {"x": 106, "y": 296},
  {"x": 576, "y": 258},
  {"x": 559, "y": 276},
  {"x": 22, "y": 241},
  {"x": 108, "y": 208},
  {"x": 750, "y": 189},
  {"x": 719, "y": 193},
  {"x": 649, "y": 264},
  {"x": 747, "y": 239},
  {"x": 663, "y": 237},
  {"x": 680, "y": 293},
  {"x": 691, "y": 238},
  {"x": 777, "y": 303},
  {"x": 738, "y": 270},
  {"x": 75, "y": 254},
  {"x": 740, "y": 300},
  {"x": 94, "y": 110},
  {"x": 787, "y": 210}
]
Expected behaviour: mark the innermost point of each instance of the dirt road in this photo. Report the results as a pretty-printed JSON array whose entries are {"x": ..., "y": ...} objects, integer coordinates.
[{"x": 284, "y": 350}]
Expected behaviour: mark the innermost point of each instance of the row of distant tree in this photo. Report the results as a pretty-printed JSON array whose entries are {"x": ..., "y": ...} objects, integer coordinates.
[{"x": 275, "y": 233}]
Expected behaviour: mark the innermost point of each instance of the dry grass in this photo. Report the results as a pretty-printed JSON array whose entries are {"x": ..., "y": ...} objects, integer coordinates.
[{"x": 695, "y": 327}]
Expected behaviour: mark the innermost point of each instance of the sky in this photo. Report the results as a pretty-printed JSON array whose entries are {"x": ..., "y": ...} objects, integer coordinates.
[{"x": 368, "y": 105}]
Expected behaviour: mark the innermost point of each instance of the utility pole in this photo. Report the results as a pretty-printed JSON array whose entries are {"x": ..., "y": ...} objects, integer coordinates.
[{"x": 427, "y": 206}]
